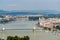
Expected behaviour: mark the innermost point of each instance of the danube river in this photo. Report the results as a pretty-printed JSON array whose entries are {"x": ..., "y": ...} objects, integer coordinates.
[{"x": 25, "y": 28}]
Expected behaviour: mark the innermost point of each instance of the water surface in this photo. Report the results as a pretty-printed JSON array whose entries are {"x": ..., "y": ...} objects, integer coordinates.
[{"x": 25, "y": 25}]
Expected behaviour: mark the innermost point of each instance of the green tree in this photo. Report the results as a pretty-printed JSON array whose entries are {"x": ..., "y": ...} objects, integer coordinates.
[{"x": 58, "y": 27}]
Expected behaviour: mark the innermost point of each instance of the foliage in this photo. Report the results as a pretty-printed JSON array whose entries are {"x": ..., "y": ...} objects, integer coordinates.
[
  {"x": 33, "y": 18},
  {"x": 1, "y": 39},
  {"x": 57, "y": 27},
  {"x": 17, "y": 38},
  {"x": 49, "y": 29},
  {"x": 45, "y": 28}
]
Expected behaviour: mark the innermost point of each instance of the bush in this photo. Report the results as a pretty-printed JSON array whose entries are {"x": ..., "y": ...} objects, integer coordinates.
[
  {"x": 58, "y": 27},
  {"x": 1, "y": 39},
  {"x": 10, "y": 38},
  {"x": 49, "y": 29},
  {"x": 17, "y": 38},
  {"x": 26, "y": 38},
  {"x": 45, "y": 28}
]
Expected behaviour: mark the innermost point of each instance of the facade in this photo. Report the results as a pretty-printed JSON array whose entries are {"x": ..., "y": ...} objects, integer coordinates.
[{"x": 50, "y": 22}]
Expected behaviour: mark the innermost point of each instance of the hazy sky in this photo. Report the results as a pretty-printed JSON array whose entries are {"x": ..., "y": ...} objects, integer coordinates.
[{"x": 30, "y": 4}]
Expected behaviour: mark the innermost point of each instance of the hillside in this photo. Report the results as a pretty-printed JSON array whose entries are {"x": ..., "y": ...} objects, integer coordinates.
[{"x": 49, "y": 13}]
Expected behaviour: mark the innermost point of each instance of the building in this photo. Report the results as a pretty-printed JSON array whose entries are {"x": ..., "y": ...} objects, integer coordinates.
[{"x": 49, "y": 23}]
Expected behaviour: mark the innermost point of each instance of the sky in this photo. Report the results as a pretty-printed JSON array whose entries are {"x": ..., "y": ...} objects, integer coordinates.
[{"x": 30, "y": 5}]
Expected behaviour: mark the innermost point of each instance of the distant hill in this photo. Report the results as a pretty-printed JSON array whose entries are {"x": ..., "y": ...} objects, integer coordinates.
[
  {"x": 1, "y": 11},
  {"x": 51, "y": 13}
]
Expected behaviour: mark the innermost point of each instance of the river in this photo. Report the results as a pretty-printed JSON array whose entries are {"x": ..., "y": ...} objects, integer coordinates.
[{"x": 24, "y": 28}]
